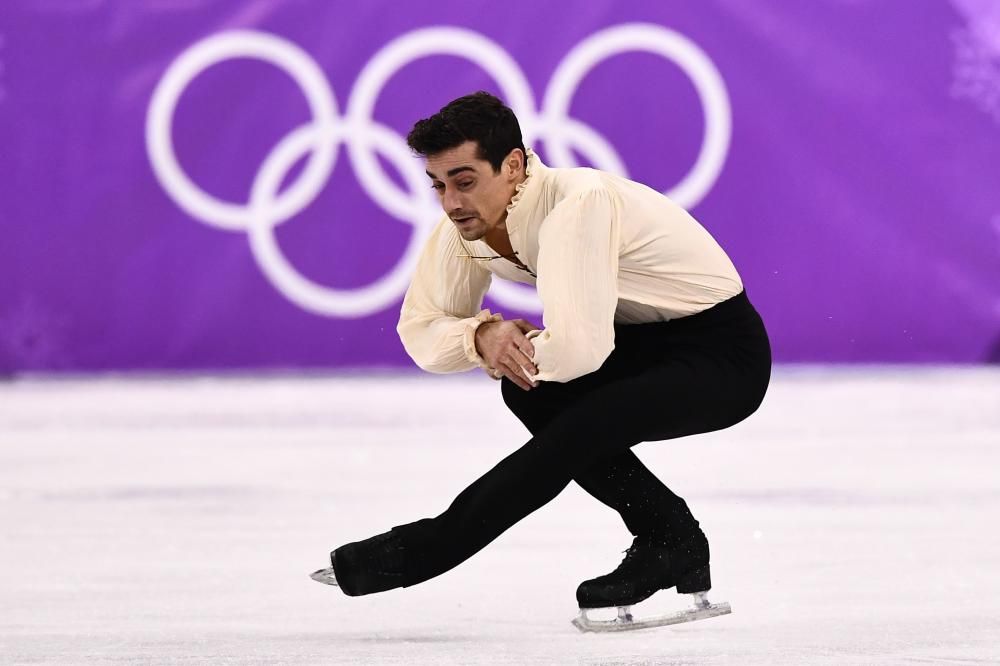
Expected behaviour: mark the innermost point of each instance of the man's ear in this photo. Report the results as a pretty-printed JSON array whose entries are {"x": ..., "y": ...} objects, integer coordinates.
[{"x": 514, "y": 163}]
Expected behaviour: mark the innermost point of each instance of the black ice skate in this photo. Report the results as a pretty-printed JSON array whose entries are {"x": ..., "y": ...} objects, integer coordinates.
[
  {"x": 650, "y": 566},
  {"x": 366, "y": 567}
]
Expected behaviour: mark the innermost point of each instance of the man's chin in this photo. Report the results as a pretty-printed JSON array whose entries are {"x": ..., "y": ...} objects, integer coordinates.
[{"x": 470, "y": 234}]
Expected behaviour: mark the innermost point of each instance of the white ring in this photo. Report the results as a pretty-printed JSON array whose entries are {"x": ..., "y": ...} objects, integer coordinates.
[
  {"x": 215, "y": 49},
  {"x": 672, "y": 46},
  {"x": 397, "y": 54},
  {"x": 302, "y": 291}
]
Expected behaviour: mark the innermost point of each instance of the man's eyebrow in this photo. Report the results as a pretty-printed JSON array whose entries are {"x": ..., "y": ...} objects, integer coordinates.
[{"x": 452, "y": 172}]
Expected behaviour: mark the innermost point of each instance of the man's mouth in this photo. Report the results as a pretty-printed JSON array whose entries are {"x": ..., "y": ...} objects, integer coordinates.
[{"x": 462, "y": 220}]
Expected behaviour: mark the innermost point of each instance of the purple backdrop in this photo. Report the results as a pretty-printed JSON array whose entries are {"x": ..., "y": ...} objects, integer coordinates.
[{"x": 142, "y": 144}]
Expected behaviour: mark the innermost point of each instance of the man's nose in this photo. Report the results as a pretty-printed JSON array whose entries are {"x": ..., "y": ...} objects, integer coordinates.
[{"x": 451, "y": 200}]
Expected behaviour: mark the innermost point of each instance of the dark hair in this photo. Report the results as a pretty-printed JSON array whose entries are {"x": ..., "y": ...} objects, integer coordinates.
[{"x": 478, "y": 117}]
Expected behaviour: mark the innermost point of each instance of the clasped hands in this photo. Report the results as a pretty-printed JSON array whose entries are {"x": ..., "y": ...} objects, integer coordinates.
[{"x": 507, "y": 351}]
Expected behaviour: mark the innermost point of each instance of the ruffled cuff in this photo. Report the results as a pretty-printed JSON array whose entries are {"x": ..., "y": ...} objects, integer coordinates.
[{"x": 470, "y": 338}]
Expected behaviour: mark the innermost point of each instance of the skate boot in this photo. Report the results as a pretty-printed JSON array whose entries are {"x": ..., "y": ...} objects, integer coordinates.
[
  {"x": 650, "y": 565},
  {"x": 365, "y": 567}
]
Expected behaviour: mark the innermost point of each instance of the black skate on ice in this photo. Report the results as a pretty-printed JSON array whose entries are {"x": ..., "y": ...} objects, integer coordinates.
[
  {"x": 650, "y": 566},
  {"x": 366, "y": 567}
]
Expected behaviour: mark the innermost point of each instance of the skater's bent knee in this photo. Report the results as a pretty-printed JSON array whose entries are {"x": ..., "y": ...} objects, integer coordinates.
[
  {"x": 516, "y": 398},
  {"x": 533, "y": 408}
]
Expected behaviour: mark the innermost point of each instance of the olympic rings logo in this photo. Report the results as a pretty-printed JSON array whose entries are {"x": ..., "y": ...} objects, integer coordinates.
[{"x": 364, "y": 138}]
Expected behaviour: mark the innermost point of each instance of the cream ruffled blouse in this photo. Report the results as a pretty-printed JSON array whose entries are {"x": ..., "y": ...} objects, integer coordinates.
[{"x": 605, "y": 250}]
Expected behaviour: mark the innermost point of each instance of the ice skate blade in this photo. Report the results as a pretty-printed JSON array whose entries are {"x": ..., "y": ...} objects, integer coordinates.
[
  {"x": 625, "y": 622},
  {"x": 325, "y": 576}
]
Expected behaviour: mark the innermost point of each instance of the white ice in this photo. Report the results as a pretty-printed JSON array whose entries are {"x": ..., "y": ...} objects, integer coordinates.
[{"x": 853, "y": 519}]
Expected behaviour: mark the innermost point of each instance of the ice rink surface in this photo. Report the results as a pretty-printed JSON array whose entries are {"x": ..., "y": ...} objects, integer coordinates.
[{"x": 855, "y": 519}]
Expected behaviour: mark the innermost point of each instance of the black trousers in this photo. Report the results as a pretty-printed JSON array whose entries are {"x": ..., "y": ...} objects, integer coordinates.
[{"x": 663, "y": 380}]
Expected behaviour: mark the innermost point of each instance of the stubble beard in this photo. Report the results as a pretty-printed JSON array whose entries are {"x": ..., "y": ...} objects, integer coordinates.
[{"x": 473, "y": 233}]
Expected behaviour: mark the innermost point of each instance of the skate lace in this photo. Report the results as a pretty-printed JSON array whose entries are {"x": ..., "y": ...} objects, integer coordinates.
[{"x": 631, "y": 555}]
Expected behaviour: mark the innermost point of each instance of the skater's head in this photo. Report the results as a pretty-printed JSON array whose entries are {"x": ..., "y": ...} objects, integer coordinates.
[{"x": 475, "y": 158}]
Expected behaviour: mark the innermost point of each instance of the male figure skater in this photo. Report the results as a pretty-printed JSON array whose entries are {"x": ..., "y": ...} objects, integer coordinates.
[{"x": 647, "y": 335}]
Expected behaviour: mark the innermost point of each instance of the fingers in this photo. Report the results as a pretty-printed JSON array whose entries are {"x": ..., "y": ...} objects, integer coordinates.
[
  {"x": 517, "y": 366},
  {"x": 523, "y": 360},
  {"x": 518, "y": 359},
  {"x": 508, "y": 352},
  {"x": 516, "y": 374},
  {"x": 522, "y": 343}
]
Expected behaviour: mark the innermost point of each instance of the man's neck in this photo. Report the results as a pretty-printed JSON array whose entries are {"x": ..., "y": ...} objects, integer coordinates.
[{"x": 499, "y": 240}]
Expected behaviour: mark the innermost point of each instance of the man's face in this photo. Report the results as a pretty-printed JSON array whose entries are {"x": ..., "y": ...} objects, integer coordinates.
[{"x": 472, "y": 194}]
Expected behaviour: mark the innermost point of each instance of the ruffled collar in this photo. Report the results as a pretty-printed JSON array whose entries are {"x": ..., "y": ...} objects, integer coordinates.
[
  {"x": 531, "y": 164},
  {"x": 521, "y": 205}
]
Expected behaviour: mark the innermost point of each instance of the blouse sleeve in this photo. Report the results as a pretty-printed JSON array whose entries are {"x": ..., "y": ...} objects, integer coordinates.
[
  {"x": 578, "y": 286},
  {"x": 442, "y": 307}
]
